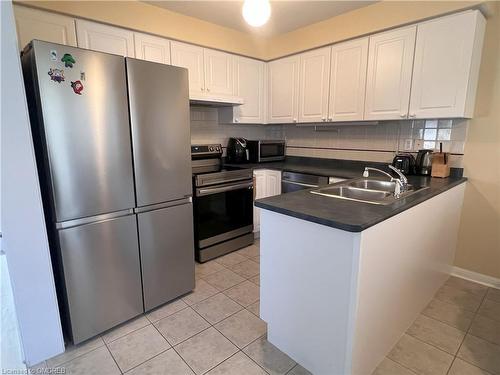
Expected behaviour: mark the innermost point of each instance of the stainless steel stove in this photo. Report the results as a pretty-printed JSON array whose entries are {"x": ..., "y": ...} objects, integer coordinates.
[{"x": 222, "y": 203}]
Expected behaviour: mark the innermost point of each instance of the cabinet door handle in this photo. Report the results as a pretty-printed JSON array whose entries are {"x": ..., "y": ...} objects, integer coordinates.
[
  {"x": 236, "y": 120},
  {"x": 208, "y": 89},
  {"x": 413, "y": 115},
  {"x": 294, "y": 120},
  {"x": 202, "y": 89},
  {"x": 403, "y": 115},
  {"x": 323, "y": 119}
]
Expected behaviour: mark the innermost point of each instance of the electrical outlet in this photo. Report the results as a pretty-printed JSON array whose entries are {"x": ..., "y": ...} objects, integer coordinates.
[
  {"x": 419, "y": 144},
  {"x": 408, "y": 144}
]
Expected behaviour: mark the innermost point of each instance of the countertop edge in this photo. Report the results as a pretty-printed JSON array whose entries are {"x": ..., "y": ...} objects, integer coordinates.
[{"x": 354, "y": 227}]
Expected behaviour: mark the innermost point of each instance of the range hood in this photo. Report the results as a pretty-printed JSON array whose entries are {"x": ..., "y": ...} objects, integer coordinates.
[{"x": 214, "y": 100}]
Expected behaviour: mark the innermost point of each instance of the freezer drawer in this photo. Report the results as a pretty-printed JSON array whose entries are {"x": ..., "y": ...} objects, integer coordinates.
[
  {"x": 167, "y": 253},
  {"x": 102, "y": 275},
  {"x": 159, "y": 118}
]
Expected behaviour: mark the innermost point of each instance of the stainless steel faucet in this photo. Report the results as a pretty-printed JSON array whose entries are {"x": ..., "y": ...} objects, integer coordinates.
[{"x": 401, "y": 182}]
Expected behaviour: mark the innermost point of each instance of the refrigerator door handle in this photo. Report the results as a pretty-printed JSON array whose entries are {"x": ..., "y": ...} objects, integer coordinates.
[
  {"x": 93, "y": 219},
  {"x": 159, "y": 206}
]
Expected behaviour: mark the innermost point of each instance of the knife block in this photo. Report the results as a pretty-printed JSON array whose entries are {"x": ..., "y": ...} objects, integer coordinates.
[{"x": 440, "y": 165}]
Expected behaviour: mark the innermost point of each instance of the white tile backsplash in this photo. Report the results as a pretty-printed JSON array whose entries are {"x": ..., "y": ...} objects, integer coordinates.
[
  {"x": 205, "y": 128},
  {"x": 356, "y": 142}
]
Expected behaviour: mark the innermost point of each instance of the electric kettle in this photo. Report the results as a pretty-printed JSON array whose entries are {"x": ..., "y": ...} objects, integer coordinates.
[{"x": 423, "y": 164}]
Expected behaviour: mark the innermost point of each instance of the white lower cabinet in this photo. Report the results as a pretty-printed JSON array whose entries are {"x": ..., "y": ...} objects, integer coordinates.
[
  {"x": 104, "y": 38},
  {"x": 267, "y": 183}
]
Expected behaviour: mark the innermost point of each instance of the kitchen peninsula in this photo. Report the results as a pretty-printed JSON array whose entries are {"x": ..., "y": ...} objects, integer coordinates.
[{"x": 341, "y": 280}]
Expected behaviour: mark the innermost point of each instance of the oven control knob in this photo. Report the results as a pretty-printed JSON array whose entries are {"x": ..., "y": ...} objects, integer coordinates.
[
  {"x": 217, "y": 149},
  {"x": 211, "y": 148}
]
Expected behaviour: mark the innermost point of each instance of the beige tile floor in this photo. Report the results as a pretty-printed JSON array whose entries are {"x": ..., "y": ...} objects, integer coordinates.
[
  {"x": 458, "y": 333},
  {"x": 216, "y": 330}
]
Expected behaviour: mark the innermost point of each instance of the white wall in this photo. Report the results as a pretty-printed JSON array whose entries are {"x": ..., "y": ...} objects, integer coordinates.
[
  {"x": 11, "y": 355},
  {"x": 23, "y": 227}
]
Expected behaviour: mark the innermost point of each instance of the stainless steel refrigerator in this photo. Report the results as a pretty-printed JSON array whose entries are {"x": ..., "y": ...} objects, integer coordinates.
[{"x": 112, "y": 142}]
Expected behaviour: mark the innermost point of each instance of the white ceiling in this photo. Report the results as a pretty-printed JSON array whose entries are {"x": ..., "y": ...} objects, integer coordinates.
[{"x": 285, "y": 15}]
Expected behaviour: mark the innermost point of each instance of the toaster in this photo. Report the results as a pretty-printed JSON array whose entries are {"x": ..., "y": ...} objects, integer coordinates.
[{"x": 405, "y": 163}]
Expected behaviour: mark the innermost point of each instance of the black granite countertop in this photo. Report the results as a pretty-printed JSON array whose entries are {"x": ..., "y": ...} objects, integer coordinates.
[
  {"x": 344, "y": 214},
  {"x": 350, "y": 215}
]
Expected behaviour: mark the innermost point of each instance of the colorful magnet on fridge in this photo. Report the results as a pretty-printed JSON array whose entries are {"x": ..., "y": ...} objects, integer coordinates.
[
  {"x": 53, "y": 55},
  {"x": 77, "y": 87},
  {"x": 56, "y": 75},
  {"x": 82, "y": 76},
  {"x": 68, "y": 60}
]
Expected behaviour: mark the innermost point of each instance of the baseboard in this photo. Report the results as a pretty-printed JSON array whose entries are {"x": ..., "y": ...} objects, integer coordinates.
[{"x": 476, "y": 277}]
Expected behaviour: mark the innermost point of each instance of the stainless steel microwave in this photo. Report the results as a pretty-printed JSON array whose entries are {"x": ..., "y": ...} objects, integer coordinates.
[{"x": 262, "y": 151}]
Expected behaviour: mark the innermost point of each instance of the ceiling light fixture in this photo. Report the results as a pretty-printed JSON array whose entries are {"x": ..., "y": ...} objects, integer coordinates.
[{"x": 256, "y": 12}]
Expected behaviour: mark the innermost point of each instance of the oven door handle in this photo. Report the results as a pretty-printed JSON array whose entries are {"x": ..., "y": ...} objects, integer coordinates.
[
  {"x": 221, "y": 189},
  {"x": 299, "y": 184}
]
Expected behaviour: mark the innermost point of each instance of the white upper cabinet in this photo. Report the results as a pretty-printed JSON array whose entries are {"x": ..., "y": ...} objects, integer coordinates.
[
  {"x": 314, "y": 83},
  {"x": 191, "y": 58},
  {"x": 210, "y": 71},
  {"x": 218, "y": 72},
  {"x": 283, "y": 90},
  {"x": 427, "y": 70},
  {"x": 50, "y": 27},
  {"x": 446, "y": 68},
  {"x": 152, "y": 48},
  {"x": 348, "y": 80},
  {"x": 249, "y": 84},
  {"x": 390, "y": 61},
  {"x": 104, "y": 38}
]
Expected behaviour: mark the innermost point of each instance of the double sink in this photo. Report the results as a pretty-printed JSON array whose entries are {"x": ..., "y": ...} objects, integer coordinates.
[{"x": 367, "y": 190}]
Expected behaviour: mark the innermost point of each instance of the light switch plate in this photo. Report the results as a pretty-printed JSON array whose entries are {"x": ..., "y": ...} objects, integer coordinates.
[{"x": 408, "y": 144}]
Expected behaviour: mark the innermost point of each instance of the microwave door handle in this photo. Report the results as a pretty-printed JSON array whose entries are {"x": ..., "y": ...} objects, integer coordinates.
[{"x": 214, "y": 190}]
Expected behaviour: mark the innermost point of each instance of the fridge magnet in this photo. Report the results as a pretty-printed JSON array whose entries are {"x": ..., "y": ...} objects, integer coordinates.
[
  {"x": 82, "y": 76},
  {"x": 56, "y": 75},
  {"x": 53, "y": 55},
  {"x": 68, "y": 60},
  {"x": 77, "y": 87}
]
